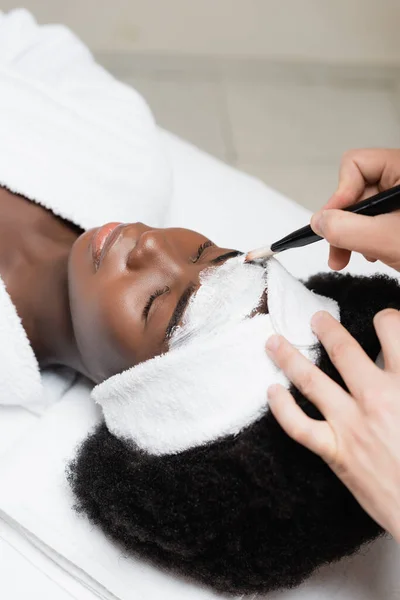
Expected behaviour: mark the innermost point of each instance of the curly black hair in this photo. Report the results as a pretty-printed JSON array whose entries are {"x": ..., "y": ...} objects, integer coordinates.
[{"x": 252, "y": 512}]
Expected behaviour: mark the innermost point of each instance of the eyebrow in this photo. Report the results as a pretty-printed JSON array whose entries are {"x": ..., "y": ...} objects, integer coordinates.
[
  {"x": 185, "y": 297},
  {"x": 179, "y": 310}
]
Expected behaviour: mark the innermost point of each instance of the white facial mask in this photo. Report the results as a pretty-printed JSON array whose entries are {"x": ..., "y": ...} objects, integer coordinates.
[
  {"x": 228, "y": 294},
  {"x": 213, "y": 381}
]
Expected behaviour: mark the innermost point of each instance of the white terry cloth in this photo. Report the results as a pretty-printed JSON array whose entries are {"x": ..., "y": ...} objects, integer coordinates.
[
  {"x": 73, "y": 138},
  {"x": 79, "y": 143},
  {"x": 20, "y": 380},
  {"x": 213, "y": 380},
  {"x": 21, "y": 383}
]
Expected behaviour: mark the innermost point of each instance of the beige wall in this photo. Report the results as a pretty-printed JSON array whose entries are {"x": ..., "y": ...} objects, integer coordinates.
[{"x": 344, "y": 31}]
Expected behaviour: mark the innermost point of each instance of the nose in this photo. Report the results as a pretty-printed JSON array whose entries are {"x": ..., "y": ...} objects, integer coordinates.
[{"x": 149, "y": 247}]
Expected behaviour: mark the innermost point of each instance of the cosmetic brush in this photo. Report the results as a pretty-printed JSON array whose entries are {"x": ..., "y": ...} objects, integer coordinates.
[{"x": 380, "y": 204}]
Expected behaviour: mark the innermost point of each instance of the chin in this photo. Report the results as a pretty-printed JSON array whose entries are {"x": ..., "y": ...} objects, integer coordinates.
[{"x": 80, "y": 261}]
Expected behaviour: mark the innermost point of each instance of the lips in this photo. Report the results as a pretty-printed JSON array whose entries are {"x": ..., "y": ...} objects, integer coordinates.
[{"x": 102, "y": 240}]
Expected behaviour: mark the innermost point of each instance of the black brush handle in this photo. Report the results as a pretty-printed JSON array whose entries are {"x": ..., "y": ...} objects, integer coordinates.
[{"x": 380, "y": 204}]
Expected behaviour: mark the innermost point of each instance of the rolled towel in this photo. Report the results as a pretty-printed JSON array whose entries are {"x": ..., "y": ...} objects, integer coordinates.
[
  {"x": 76, "y": 141},
  {"x": 73, "y": 138}
]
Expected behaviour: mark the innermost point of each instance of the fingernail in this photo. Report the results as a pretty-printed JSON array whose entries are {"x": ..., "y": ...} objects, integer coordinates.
[
  {"x": 273, "y": 343},
  {"x": 317, "y": 222}
]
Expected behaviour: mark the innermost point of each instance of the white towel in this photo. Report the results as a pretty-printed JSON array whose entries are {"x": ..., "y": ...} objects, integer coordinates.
[
  {"x": 21, "y": 383},
  {"x": 73, "y": 138},
  {"x": 79, "y": 143},
  {"x": 35, "y": 499}
]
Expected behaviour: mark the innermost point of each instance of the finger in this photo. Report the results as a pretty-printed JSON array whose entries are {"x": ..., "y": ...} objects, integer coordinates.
[
  {"x": 338, "y": 258},
  {"x": 376, "y": 236},
  {"x": 369, "y": 191},
  {"x": 351, "y": 184},
  {"x": 317, "y": 436},
  {"x": 387, "y": 326},
  {"x": 354, "y": 365},
  {"x": 370, "y": 259},
  {"x": 359, "y": 169},
  {"x": 327, "y": 396}
]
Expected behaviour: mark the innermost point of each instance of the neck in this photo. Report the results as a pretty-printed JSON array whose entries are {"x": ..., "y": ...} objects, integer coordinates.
[
  {"x": 34, "y": 251},
  {"x": 49, "y": 322}
]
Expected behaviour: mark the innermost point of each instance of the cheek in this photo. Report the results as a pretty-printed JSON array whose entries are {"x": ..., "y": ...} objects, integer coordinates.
[
  {"x": 89, "y": 319},
  {"x": 104, "y": 323},
  {"x": 105, "y": 335}
]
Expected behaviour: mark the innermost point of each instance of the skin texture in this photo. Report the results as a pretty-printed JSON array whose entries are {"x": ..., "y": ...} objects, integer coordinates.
[{"x": 95, "y": 321}]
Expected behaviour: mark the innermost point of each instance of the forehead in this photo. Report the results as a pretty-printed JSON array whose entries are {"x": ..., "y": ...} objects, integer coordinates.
[{"x": 227, "y": 294}]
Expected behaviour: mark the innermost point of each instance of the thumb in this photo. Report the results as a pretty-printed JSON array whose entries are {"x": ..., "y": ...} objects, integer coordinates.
[{"x": 377, "y": 237}]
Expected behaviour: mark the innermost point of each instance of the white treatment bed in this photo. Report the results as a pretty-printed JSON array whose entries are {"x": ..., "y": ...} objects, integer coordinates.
[{"x": 46, "y": 551}]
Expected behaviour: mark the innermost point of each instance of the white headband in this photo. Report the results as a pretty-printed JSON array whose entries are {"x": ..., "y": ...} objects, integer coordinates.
[{"x": 213, "y": 381}]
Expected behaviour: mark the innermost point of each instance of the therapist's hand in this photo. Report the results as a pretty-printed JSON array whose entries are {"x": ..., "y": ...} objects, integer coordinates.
[
  {"x": 362, "y": 174},
  {"x": 360, "y": 438}
]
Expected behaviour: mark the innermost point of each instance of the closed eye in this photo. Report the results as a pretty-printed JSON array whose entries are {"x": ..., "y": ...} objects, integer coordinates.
[
  {"x": 184, "y": 299},
  {"x": 224, "y": 257},
  {"x": 160, "y": 292},
  {"x": 201, "y": 249},
  {"x": 150, "y": 301}
]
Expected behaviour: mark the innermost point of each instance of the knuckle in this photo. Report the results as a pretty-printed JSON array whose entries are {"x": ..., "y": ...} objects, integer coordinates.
[
  {"x": 339, "y": 466},
  {"x": 370, "y": 397},
  {"x": 332, "y": 229},
  {"x": 307, "y": 383},
  {"x": 335, "y": 457},
  {"x": 301, "y": 433},
  {"x": 337, "y": 351},
  {"x": 286, "y": 355},
  {"x": 349, "y": 155},
  {"x": 327, "y": 452}
]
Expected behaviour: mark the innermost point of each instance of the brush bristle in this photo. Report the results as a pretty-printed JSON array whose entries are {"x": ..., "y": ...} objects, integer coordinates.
[{"x": 264, "y": 252}]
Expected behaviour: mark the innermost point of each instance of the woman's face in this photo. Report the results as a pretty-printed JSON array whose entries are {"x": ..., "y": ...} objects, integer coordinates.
[{"x": 126, "y": 300}]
